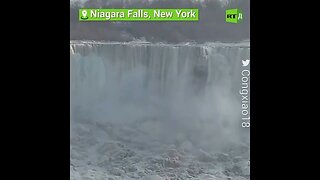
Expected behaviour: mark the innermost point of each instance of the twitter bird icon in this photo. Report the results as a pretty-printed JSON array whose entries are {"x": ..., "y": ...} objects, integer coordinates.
[{"x": 245, "y": 62}]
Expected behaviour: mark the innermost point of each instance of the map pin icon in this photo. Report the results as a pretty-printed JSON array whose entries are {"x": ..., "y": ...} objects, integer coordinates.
[{"x": 84, "y": 13}]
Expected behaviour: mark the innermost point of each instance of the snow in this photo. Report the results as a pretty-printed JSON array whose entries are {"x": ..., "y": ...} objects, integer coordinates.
[{"x": 157, "y": 111}]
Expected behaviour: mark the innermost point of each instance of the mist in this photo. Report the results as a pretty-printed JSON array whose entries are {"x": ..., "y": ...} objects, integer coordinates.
[
  {"x": 142, "y": 109},
  {"x": 173, "y": 94}
]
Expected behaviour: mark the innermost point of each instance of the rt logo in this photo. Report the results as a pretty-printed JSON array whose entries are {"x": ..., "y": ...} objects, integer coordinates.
[{"x": 234, "y": 15}]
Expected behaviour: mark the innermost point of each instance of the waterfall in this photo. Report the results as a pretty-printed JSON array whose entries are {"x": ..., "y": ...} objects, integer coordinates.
[{"x": 192, "y": 89}]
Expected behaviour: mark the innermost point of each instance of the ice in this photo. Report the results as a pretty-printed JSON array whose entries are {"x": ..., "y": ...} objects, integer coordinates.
[{"x": 157, "y": 111}]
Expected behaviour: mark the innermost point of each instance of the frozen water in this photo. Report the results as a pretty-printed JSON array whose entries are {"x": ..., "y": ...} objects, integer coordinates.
[{"x": 157, "y": 111}]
